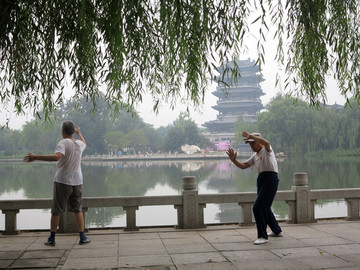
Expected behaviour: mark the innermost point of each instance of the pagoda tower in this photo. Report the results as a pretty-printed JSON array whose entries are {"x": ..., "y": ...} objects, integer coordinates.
[{"x": 236, "y": 96}]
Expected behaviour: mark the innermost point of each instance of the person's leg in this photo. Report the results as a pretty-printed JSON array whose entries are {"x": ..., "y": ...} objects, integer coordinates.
[
  {"x": 267, "y": 188},
  {"x": 259, "y": 209},
  {"x": 54, "y": 222},
  {"x": 75, "y": 205},
  {"x": 260, "y": 216},
  {"x": 79, "y": 217},
  {"x": 273, "y": 224},
  {"x": 60, "y": 195},
  {"x": 272, "y": 187}
]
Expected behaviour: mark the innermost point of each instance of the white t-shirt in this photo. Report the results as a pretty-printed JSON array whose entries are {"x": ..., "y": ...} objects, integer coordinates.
[
  {"x": 264, "y": 161},
  {"x": 68, "y": 168}
]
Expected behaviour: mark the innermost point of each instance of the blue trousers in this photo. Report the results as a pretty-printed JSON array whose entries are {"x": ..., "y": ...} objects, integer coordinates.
[{"x": 267, "y": 185}]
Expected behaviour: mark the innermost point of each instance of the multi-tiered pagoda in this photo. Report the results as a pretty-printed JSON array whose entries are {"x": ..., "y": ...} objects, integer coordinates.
[
  {"x": 237, "y": 96},
  {"x": 241, "y": 95}
]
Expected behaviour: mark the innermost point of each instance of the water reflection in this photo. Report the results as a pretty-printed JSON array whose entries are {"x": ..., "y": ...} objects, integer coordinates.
[{"x": 148, "y": 178}]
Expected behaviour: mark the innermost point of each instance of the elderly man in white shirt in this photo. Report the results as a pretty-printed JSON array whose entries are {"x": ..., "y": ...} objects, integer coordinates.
[
  {"x": 68, "y": 179},
  {"x": 267, "y": 183}
]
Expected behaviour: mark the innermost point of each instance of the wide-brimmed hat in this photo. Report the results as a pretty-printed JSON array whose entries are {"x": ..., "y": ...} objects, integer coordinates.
[{"x": 252, "y": 140}]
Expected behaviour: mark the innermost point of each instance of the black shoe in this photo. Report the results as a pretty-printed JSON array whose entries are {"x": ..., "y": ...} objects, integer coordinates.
[
  {"x": 50, "y": 242},
  {"x": 84, "y": 241}
]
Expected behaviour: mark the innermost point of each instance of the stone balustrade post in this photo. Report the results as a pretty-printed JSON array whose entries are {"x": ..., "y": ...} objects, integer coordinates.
[
  {"x": 131, "y": 218},
  {"x": 180, "y": 216},
  {"x": 10, "y": 222},
  {"x": 191, "y": 219},
  {"x": 304, "y": 206},
  {"x": 246, "y": 214},
  {"x": 292, "y": 212},
  {"x": 201, "y": 215},
  {"x": 67, "y": 222},
  {"x": 352, "y": 209}
]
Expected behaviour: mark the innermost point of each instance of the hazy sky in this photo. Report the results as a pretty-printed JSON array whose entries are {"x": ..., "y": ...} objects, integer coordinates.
[
  {"x": 205, "y": 112},
  {"x": 166, "y": 116}
]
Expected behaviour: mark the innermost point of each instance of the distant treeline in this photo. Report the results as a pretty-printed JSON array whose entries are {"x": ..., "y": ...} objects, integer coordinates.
[
  {"x": 104, "y": 133},
  {"x": 292, "y": 126}
]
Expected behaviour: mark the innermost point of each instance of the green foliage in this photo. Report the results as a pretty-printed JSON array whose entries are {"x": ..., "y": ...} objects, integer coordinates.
[
  {"x": 161, "y": 47},
  {"x": 325, "y": 39},
  {"x": 240, "y": 126},
  {"x": 131, "y": 46},
  {"x": 93, "y": 124},
  {"x": 103, "y": 133},
  {"x": 36, "y": 138},
  {"x": 293, "y": 126},
  {"x": 174, "y": 140},
  {"x": 117, "y": 139},
  {"x": 184, "y": 131}
]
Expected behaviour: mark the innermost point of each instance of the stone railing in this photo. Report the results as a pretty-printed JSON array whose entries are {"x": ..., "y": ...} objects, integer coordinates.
[{"x": 190, "y": 205}]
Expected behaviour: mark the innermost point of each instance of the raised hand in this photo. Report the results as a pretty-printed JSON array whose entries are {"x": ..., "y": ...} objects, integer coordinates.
[
  {"x": 232, "y": 154},
  {"x": 29, "y": 158},
  {"x": 246, "y": 135},
  {"x": 77, "y": 130}
]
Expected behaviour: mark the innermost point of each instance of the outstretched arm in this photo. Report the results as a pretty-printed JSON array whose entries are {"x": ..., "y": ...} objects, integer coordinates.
[
  {"x": 78, "y": 132},
  {"x": 232, "y": 155},
  {"x": 32, "y": 157}
]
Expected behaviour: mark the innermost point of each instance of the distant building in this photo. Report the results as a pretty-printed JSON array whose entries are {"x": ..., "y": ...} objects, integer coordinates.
[
  {"x": 335, "y": 107},
  {"x": 236, "y": 96},
  {"x": 241, "y": 96}
]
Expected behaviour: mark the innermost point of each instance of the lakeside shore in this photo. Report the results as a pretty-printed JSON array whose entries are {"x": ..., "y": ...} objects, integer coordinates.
[
  {"x": 141, "y": 157},
  {"x": 152, "y": 157}
]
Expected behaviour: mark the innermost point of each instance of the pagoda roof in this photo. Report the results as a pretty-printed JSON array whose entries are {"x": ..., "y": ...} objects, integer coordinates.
[
  {"x": 238, "y": 91},
  {"x": 238, "y": 110},
  {"x": 243, "y": 77},
  {"x": 242, "y": 65},
  {"x": 216, "y": 126},
  {"x": 222, "y": 121},
  {"x": 241, "y": 102},
  {"x": 238, "y": 107},
  {"x": 335, "y": 106}
]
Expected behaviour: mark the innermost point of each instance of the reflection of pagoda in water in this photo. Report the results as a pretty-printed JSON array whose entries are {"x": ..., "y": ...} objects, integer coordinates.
[{"x": 236, "y": 96}]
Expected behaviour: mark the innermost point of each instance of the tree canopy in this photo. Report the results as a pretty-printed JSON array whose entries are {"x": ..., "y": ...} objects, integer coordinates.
[
  {"x": 133, "y": 47},
  {"x": 295, "y": 128},
  {"x": 127, "y": 134}
]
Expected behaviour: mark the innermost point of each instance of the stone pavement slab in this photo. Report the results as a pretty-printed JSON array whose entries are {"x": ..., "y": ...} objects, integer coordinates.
[
  {"x": 91, "y": 263},
  {"x": 202, "y": 257},
  {"x": 321, "y": 245},
  {"x": 266, "y": 264},
  {"x": 145, "y": 260},
  {"x": 321, "y": 262},
  {"x": 207, "y": 266},
  {"x": 6, "y": 255},
  {"x": 34, "y": 263},
  {"x": 297, "y": 252}
]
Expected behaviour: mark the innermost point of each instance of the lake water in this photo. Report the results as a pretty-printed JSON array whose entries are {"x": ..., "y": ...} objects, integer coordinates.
[{"x": 150, "y": 178}]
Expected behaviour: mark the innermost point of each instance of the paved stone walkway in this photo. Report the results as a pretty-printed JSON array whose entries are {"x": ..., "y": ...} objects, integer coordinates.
[{"x": 322, "y": 245}]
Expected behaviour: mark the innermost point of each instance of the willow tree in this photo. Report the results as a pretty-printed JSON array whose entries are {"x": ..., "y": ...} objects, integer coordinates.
[{"x": 159, "y": 47}]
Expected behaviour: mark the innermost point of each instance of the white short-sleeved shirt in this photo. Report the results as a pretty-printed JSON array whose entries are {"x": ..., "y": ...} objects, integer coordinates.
[
  {"x": 264, "y": 161},
  {"x": 68, "y": 168}
]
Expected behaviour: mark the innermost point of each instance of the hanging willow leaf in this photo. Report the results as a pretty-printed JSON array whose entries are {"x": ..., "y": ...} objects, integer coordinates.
[{"x": 133, "y": 47}]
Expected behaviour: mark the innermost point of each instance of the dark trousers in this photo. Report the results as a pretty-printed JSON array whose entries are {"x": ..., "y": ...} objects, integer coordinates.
[{"x": 267, "y": 185}]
